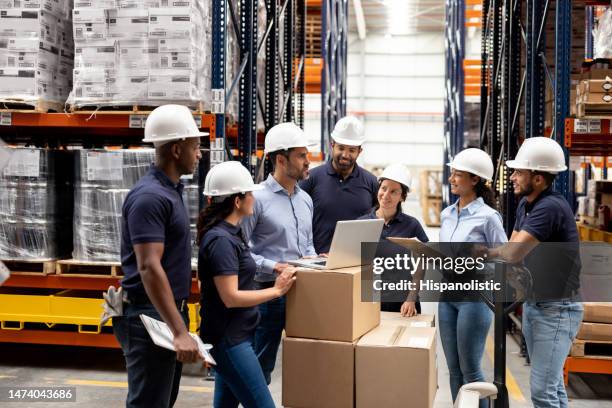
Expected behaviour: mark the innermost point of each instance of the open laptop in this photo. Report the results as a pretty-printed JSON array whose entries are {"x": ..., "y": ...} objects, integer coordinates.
[{"x": 345, "y": 250}]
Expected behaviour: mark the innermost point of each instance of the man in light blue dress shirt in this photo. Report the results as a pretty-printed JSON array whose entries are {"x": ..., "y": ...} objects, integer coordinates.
[{"x": 279, "y": 230}]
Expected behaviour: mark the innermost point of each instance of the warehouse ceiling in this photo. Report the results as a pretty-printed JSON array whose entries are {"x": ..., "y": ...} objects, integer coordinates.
[{"x": 398, "y": 17}]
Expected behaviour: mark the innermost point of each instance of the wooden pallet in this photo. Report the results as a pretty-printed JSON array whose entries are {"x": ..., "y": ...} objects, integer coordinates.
[
  {"x": 598, "y": 110},
  {"x": 591, "y": 349},
  {"x": 36, "y": 267},
  {"x": 107, "y": 108},
  {"x": 37, "y": 106},
  {"x": 76, "y": 267}
]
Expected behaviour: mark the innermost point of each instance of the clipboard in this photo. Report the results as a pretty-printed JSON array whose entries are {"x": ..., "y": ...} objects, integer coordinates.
[
  {"x": 162, "y": 336},
  {"x": 417, "y": 247}
]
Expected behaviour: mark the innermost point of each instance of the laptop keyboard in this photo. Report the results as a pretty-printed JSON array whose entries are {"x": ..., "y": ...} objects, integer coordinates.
[{"x": 322, "y": 263}]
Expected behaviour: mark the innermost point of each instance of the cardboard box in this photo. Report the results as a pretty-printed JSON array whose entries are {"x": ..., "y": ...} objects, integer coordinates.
[
  {"x": 176, "y": 45},
  {"x": 143, "y": 4},
  {"x": 596, "y": 73},
  {"x": 596, "y": 258},
  {"x": 595, "y": 312},
  {"x": 99, "y": 4},
  {"x": 128, "y": 23},
  {"x": 25, "y": 23},
  {"x": 175, "y": 60},
  {"x": 600, "y": 86},
  {"x": 318, "y": 374},
  {"x": 102, "y": 55},
  {"x": 395, "y": 364},
  {"x": 599, "y": 98},
  {"x": 172, "y": 85},
  {"x": 595, "y": 331},
  {"x": 170, "y": 23},
  {"x": 132, "y": 85},
  {"x": 57, "y": 7},
  {"x": 15, "y": 82},
  {"x": 137, "y": 54},
  {"x": 20, "y": 44},
  {"x": 327, "y": 305},
  {"x": 421, "y": 320},
  {"x": 89, "y": 24}
]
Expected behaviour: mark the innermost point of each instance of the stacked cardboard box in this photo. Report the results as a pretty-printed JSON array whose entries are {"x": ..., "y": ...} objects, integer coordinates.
[
  {"x": 334, "y": 340},
  {"x": 595, "y": 333},
  {"x": 594, "y": 93},
  {"x": 146, "y": 52},
  {"x": 36, "y": 52}
]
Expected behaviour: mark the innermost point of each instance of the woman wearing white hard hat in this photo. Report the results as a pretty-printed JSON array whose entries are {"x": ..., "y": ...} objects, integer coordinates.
[
  {"x": 393, "y": 188},
  {"x": 229, "y": 299},
  {"x": 473, "y": 219}
]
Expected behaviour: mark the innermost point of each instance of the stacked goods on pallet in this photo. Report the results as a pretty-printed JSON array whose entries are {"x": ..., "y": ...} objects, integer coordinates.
[
  {"x": 142, "y": 52},
  {"x": 36, "y": 205},
  {"x": 36, "y": 52},
  {"x": 595, "y": 335},
  {"x": 356, "y": 354},
  {"x": 594, "y": 208},
  {"x": 102, "y": 181}
]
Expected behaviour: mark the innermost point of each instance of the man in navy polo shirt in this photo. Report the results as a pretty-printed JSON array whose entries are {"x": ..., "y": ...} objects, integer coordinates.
[
  {"x": 340, "y": 189},
  {"x": 156, "y": 261},
  {"x": 552, "y": 314}
]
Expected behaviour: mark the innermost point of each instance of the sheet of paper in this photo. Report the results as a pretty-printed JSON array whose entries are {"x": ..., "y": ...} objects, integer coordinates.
[
  {"x": 162, "y": 336},
  {"x": 4, "y": 273}
]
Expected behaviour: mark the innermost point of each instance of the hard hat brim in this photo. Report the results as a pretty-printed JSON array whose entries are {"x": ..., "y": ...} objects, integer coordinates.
[
  {"x": 461, "y": 168},
  {"x": 347, "y": 142},
  {"x": 254, "y": 187},
  {"x": 513, "y": 164},
  {"x": 308, "y": 146},
  {"x": 171, "y": 138},
  {"x": 382, "y": 178}
]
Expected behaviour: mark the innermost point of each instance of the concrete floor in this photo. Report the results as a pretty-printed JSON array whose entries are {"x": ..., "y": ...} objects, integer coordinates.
[{"x": 100, "y": 379}]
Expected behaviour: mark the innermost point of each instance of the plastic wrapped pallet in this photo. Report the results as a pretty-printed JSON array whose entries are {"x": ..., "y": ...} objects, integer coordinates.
[
  {"x": 36, "y": 204},
  {"x": 36, "y": 52},
  {"x": 142, "y": 52},
  {"x": 602, "y": 36},
  {"x": 103, "y": 179}
]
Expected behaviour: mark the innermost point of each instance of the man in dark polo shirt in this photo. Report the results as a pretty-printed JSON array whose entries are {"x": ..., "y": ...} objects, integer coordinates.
[
  {"x": 340, "y": 189},
  {"x": 156, "y": 261},
  {"x": 546, "y": 239}
]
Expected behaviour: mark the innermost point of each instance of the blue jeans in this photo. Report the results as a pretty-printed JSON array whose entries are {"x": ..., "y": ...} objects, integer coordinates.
[
  {"x": 153, "y": 373},
  {"x": 549, "y": 329},
  {"x": 238, "y": 377},
  {"x": 268, "y": 334},
  {"x": 463, "y": 329}
]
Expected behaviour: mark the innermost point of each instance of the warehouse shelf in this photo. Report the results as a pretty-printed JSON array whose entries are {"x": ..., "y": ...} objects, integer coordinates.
[
  {"x": 78, "y": 282},
  {"x": 589, "y": 137},
  {"x": 21, "y": 316}
]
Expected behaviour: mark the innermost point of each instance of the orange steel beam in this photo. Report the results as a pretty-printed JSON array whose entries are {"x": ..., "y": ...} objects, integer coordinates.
[
  {"x": 58, "y": 338},
  {"x": 586, "y": 365}
]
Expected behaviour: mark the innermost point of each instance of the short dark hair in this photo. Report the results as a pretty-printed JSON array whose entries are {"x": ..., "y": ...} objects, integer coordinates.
[
  {"x": 548, "y": 177},
  {"x": 273, "y": 156}
]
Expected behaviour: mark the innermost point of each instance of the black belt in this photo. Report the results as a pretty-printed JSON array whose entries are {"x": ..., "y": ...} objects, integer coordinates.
[{"x": 143, "y": 299}]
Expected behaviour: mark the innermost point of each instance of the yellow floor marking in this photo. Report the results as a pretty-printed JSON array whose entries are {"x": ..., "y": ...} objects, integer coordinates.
[
  {"x": 123, "y": 384},
  {"x": 513, "y": 388}
]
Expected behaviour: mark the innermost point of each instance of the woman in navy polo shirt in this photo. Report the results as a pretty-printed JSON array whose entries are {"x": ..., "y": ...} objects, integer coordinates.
[
  {"x": 464, "y": 325},
  {"x": 393, "y": 187},
  {"x": 229, "y": 299}
]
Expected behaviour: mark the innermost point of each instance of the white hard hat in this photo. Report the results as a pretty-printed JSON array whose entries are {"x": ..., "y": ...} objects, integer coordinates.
[
  {"x": 285, "y": 136},
  {"x": 349, "y": 131},
  {"x": 473, "y": 161},
  {"x": 541, "y": 154},
  {"x": 399, "y": 173},
  {"x": 229, "y": 178},
  {"x": 167, "y": 123}
]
